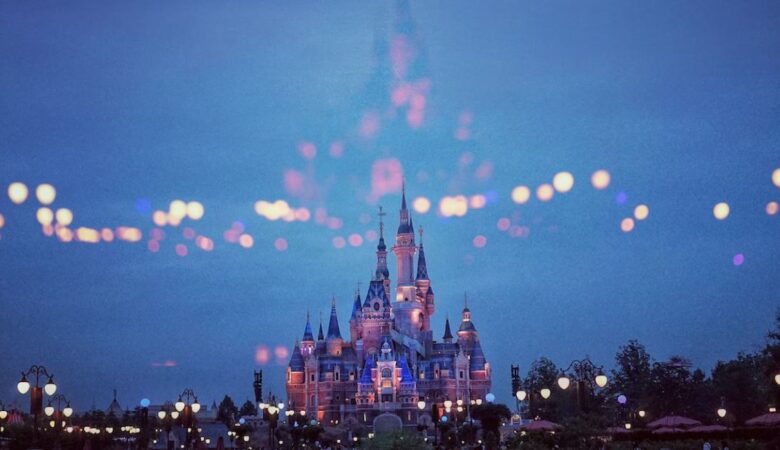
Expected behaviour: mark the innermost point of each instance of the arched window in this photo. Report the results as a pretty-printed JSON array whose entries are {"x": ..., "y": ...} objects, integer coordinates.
[{"x": 387, "y": 373}]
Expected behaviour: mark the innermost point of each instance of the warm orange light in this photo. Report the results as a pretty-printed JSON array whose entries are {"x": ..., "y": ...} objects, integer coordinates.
[
  {"x": 45, "y": 193},
  {"x": 195, "y": 210},
  {"x": 160, "y": 218},
  {"x": 600, "y": 179},
  {"x": 545, "y": 192},
  {"x": 17, "y": 192},
  {"x": 421, "y": 204},
  {"x": 107, "y": 234},
  {"x": 477, "y": 201},
  {"x": 627, "y": 224},
  {"x": 44, "y": 215},
  {"x": 178, "y": 209},
  {"x": 521, "y": 194},
  {"x": 90, "y": 235},
  {"x": 721, "y": 210},
  {"x": 772, "y": 208},
  {"x": 64, "y": 216},
  {"x": 246, "y": 241},
  {"x": 776, "y": 177},
  {"x": 129, "y": 234},
  {"x": 2, "y": 221},
  {"x": 456, "y": 206},
  {"x": 563, "y": 182},
  {"x": 641, "y": 212}
]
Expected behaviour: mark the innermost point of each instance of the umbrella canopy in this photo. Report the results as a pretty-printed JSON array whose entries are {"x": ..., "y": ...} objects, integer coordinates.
[
  {"x": 766, "y": 420},
  {"x": 541, "y": 425},
  {"x": 668, "y": 430},
  {"x": 674, "y": 422},
  {"x": 707, "y": 428}
]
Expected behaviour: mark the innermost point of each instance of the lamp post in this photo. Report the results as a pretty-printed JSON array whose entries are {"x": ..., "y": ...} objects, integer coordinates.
[
  {"x": 167, "y": 414},
  {"x": 271, "y": 413},
  {"x": 580, "y": 367},
  {"x": 36, "y": 392},
  {"x": 188, "y": 406},
  {"x": 420, "y": 425},
  {"x": 58, "y": 407}
]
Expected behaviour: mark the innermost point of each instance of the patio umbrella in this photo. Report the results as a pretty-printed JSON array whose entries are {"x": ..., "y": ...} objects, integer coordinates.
[
  {"x": 707, "y": 428},
  {"x": 674, "y": 422},
  {"x": 541, "y": 425},
  {"x": 765, "y": 420}
]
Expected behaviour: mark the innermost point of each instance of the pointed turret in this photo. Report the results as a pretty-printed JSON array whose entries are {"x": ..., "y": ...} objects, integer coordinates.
[
  {"x": 296, "y": 360},
  {"x": 381, "y": 252},
  {"x": 422, "y": 265},
  {"x": 308, "y": 336},
  {"x": 357, "y": 305},
  {"x": 447, "y": 332},
  {"x": 333, "y": 325},
  {"x": 320, "y": 335}
]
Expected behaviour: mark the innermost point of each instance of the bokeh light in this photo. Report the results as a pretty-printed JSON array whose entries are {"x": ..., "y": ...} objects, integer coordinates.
[
  {"x": 177, "y": 209},
  {"x": 355, "y": 239},
  {"x": 545, "y": 192},
  {"x": 64, "y": 216},
  {"x": 521, "y": 194},
  {"x": 262, "y": 354},
  {"x": 89, "y": 235},
  {"x": 153, "y": 246},
  {"x": 627, "y": 224},
  {"x": 17, "y": 192},
  {"x": 181, "y": 249},
  {"x": 503, "y": 224},
  {"x": 195, "y": 210},
  {"x": 421, "y": 204},
  {"x": 246, "y": 241},
  {"x": 772, "y": 208},
  {"x": 477, "y": 201},
  {"x": 641, "y": 212},
  {"x": 280, "y": 244},
  {"x": 600, "y": 179},
  {"x": 2, "y": 221},
  {"x": 339, "y": 242},
  {"x": 776, "y": 177},
  {"x": 563, "y": 182},
  {"x": 721, "y": 210},
  {"x": 456, "y": 206},
  {"x": 160, "y": 218},
  {"x": 45, "y": 193},
  {"x": 45, "y": 216},
  {"x": 738, "y": 259},
  {"x": 479, "y": 241}
]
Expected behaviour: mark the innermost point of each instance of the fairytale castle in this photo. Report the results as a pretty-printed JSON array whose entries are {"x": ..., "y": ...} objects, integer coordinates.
[{"x": 391, "y": 360}]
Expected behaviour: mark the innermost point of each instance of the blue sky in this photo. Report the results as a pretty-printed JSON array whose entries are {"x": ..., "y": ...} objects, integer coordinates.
[{"x": 115, "y": 103}]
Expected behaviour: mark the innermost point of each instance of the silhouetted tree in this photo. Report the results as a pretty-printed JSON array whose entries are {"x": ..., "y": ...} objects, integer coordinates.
[
  {"x": 491, "y": 415},
  {"x": 227, "y": 411},
  {"x": 248, "y": 409},
  {"x": 542, "y": 374}
]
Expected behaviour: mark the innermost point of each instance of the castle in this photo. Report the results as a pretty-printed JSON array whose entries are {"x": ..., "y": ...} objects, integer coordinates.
[{"x": 392, "y": 359}]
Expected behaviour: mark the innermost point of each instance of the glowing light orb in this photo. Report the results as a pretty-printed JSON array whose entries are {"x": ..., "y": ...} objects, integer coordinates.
[
  {"x": 17, "y": 192},
  {"x": 177, "y": 209},
  {"x": 153, "y": 246},
  {"x": 302, "y": 215},
  {"x": 262, "y": 354},
  {"x": 339, "y": 242},
  {"x": 64, "y": 216},
  {"x": 280, "y": 244},
  {"x": 45, "y": 216},
  {"x": 129, "y": 234},
  {"x": 641, "y": 212},
  {"x": 89, "y": 235},
  {"x": 355, "y": 239},
  {"x": 45, "y": 193},
  {"x": 477, "y": 201},
  {"x": 622, "y": 399},
  {"x": 246, "y": 241},
  {"x": 195, "y": 210},
  {"x": 64, "y": 234},
  {"x": 2, "y": 221},
  {"x": 545, "y": 192},
  {"x": 181, "y": 250},
  {"x": 738, "y": 259},
  {"x": 160, "y": 218},
  {"x": 627, "y": 224},
  {"x": 307, "y": 149},
  {"x": 772, "y": 208},
  {"x": 204, "y": 243},
  {"x": 563, "y": 182},
  {"x": 545, "y": 392},
  {"x": 721, "y": 210},
  {"x": 371, "y": 235},
  {"x": 621, "y": 198},
  {"x": 503, "y": 224},
  {"x": 600, "y": 179},
  {"x": 456, "y": 206},
  {"x": 421, "y": 204},
  {"x": 145, "y": 403},
  {"x": 281, "y": 353},
  {"x": 107, "y": 234},
  {"x": 521, "y": 194},
  {"x": 776, "y": 177},
  {"x": 479, "y": 241}
]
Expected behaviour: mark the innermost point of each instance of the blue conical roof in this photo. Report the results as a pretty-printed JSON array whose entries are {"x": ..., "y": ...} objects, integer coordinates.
[
  {"x": 422, "y": 266},
  {"x": 333, "y": 325},
  {"x": 296, "y": 360},
  {"x": 307, "y": 334},
  {"x": 447, "y": 331},
  {"x": 365, "y": 377},
  {"x": 357, "y": 305},
  {"x": 406, "y": 374}
]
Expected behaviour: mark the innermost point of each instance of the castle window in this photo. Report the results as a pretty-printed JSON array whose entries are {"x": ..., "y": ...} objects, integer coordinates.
[
  {"x": 351, "y": 376},
  {"x": 312, "y": 378},
  {"x": 422, "y": 374},
  {"x": 461, "y": 374},
  {"x": 387, "y": 373},
  {"x": 337, "y": 375}
]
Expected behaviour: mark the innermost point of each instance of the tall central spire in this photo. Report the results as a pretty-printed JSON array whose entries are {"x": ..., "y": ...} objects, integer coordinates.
[{"x": 381, "y": 251}]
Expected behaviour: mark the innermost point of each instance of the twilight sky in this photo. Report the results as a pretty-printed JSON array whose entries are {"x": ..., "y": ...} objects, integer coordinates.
[{"x": 125, "y": 107}]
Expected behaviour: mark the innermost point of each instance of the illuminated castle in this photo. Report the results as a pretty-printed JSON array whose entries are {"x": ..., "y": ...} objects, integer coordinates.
[{"x": 391, "y": 359}]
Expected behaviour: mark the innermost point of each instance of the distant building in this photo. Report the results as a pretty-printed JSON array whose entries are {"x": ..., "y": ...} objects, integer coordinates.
[
  {"x": 392, "y": 359},
  {"x": 114, "y": 408}
]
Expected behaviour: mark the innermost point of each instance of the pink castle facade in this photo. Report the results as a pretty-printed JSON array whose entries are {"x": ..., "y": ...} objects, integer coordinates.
[{"x": 391, "y": 360}]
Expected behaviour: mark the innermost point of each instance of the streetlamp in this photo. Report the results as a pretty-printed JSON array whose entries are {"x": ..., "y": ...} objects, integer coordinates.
[
  {"x": 56, "y": 410},
  {"x": 188, "y": 406},
  {"x": 36, "y": 395},
  {"x": 580, "y": 367}
]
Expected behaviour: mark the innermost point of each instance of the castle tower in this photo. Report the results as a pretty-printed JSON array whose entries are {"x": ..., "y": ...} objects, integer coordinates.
[
  {"x": 307, "y": 343},
  {"x": 408, "y": 309},
  {"x": 334, "y": 340},
  {"x": 467, "y": 332},
  {"x": 355, "y": 322},
  {"x": 423, "y": 285}
]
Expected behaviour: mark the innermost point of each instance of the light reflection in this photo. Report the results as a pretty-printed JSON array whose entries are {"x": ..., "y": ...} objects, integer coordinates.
[
  {"x": 160, "y": 218},
  {"x": 772, "y": 208},
  {"x": 246, "y": 241},
  {"x": 89, "y": 235},
  {"x": 477, "y": 201},
  {"x": 453, "y": 206},
  {"x": 2, "y": 221}
]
